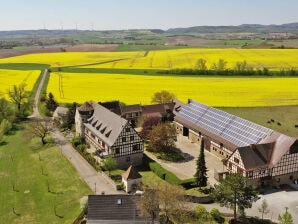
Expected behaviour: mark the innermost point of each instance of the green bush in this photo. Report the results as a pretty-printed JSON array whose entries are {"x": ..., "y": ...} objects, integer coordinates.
[
  {"x": 215, "y": 214},
  {"x": 200, "y": 211},
  {"x": 76, "y": 141}
]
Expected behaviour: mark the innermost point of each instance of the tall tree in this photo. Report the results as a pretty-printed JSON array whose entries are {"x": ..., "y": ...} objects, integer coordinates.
[
  {"x": 147, "y": 126},
  {"x": 18, "y": 95},
  {"x": 162, "y": 97},
  {"x": 220, "y": 65},
  {"x": 234, "y": 192},
  {"x": 201, "y": 64},
  {"x": 173, "y": 203},
  {"x": 70, "y": 117},
  {"x": 149, "y": 204},
  {"x": 285, "y": 218},
  {"x": 162, "y": 137},
  {"x": 6, "y": 111},
  {"x": 201, "y": 173},
  {"x": 51, "y": 103}
]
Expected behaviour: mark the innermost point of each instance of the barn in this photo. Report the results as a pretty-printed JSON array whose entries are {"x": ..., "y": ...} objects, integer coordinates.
[{"x": 264, "y": 156}]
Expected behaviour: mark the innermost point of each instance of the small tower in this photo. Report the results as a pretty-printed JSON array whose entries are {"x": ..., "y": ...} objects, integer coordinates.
[
  {"x": 83, "y": 113},
  {"x": 131, "y": 178}
]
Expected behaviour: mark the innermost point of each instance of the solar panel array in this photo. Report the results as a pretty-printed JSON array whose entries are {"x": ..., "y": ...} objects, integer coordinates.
[{"x": 236, "y": 130}]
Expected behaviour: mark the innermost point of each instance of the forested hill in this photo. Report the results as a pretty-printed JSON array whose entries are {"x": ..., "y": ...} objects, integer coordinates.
[{"x": 244, "y": 28}]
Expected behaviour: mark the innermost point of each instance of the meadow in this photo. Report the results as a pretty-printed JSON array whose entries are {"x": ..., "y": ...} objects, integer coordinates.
[
  {"x": 38, "y": 184},
  {"x": 8, "y": 78},
  {"x": 214, "y": 91}
]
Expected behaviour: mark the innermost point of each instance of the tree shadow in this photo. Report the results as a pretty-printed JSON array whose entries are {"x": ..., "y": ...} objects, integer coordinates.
[
  {"x": 186, "y": 156},
  {"x": 3, "y": 143}
]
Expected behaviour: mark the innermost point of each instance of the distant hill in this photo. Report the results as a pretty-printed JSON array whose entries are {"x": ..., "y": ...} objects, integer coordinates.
[{"x": 245, "y": 28}]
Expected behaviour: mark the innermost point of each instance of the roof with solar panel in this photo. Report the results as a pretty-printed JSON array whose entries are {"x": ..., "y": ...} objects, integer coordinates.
[{"x": 235, "y": 130}]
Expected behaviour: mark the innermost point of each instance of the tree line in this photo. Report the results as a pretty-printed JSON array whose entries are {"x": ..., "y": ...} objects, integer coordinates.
[{"x": 241, "y": 68}]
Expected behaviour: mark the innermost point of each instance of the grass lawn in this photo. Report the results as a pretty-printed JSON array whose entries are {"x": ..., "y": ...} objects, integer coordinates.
[
  {"x": 37, "y": 182},
  {"x": 150, "y": 179}
]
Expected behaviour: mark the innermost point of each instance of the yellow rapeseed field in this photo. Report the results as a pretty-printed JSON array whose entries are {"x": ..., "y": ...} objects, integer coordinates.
[
  {"x": 72, "y": 58},
  {"x": 214, "y": 91},
  {"x": 8, "y": 78},
  {"x": 273, "y": 59}
]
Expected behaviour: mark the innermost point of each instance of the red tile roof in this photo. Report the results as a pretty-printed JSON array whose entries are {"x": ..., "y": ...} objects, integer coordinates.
[{"x": 131, "y": 174}]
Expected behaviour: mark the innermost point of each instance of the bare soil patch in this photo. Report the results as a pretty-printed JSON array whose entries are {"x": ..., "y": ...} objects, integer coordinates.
[
  {"x": 187, "y": 40},
  {"x": 58, "y": 48}
]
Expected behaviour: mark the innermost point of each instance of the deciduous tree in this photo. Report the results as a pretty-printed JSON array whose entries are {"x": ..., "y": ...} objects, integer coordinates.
[
  {"x": 162, "y": 137},
  {"x": 6, "y": 111},
  {"x": 150, "y": 204},
  {"x": 109, "y": 164},
  {"x": 162, "y": 97},
  {"x": 263, "y": 209},
  {"x": 201, "y": 173},
  {"x": 173, "y": 203},
  {"x": 220, "y": 65},
  {"x": 201, "y": 64},
  {"x": 40, "y": 129},
  {"x": 147, "y": 126},
  {"x": 234, "y": 192},
  {"x": 18, "y": 95}
]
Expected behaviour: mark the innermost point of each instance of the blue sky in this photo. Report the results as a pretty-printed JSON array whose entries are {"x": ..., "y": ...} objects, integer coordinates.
[{"x": 129, "y": 14}]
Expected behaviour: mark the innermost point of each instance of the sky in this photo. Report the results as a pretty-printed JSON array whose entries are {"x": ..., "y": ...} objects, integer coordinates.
[{"x": 142, "y": 14}]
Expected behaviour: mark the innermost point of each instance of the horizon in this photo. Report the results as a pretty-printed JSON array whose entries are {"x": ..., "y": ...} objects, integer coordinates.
[
  {"x": 71, "y": 29},
  {"x": 140, "y": 14}
]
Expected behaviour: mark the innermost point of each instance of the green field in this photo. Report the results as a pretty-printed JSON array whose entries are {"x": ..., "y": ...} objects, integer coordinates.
[{"x": 36, "y": 181}]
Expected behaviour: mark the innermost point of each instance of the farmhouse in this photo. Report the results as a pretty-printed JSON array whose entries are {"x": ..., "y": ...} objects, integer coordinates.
[
  {"x": 109, "y": 133},
  {"x": 132, "y": 113},
  {"x": 264, "y": 156}
]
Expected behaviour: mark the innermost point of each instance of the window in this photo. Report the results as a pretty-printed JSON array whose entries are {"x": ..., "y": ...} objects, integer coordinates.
[
  {"x": 127, "y": 159},
  {"x": 117, "y": 151},
  {"x": 119, "y": 201},
  {"x": 250, "y": 173},
  {"x": 127, "y": 129},
  {"x": 236, "y": 160},
  {"x": 135, "y": 147},
  {"x": 123, "y": 139},
  {"x": 132, "y": 138}
]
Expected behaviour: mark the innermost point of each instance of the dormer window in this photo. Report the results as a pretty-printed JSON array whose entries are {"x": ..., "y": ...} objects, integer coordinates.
[
  {"x": 108, "y": 133},
  {"x": 103, "y": 130},
  {"x": 119, "y": 201}
]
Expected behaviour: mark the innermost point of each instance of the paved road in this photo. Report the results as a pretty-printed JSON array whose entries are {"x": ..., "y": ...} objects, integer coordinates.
[
  {"x": 95, "y": 180},
  {"x": 187, "y": 169}
]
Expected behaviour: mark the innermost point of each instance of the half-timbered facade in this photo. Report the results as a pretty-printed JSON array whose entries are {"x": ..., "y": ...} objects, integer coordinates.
[
  {"x": 113, "y": 135},
  {"x": 263, "y": 155}
]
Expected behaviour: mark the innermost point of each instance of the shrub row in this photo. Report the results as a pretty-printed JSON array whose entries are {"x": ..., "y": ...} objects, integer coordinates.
[{"x": 80, "y": 146}]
